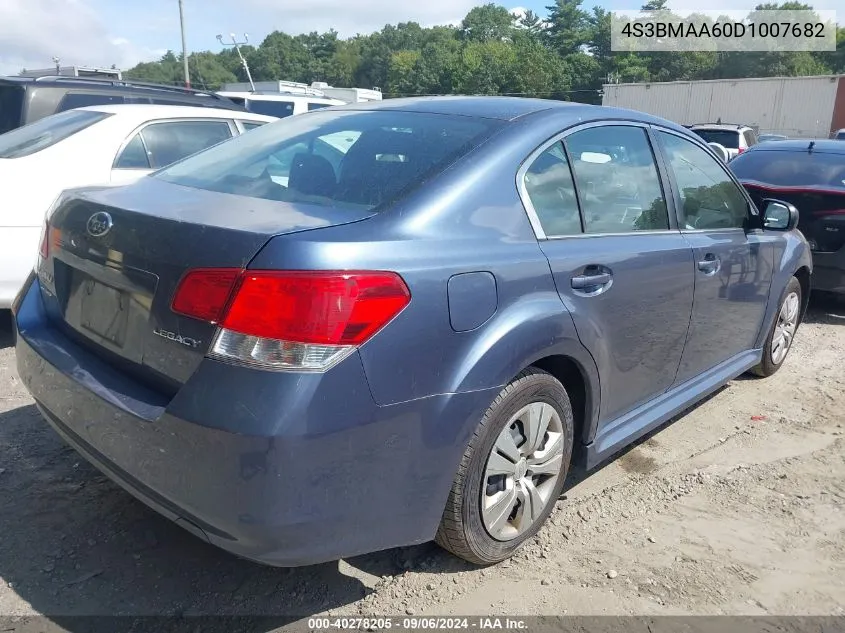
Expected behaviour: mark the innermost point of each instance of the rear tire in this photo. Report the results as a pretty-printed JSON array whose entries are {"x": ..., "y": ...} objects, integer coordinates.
[
  {"x": 782, "y": 334},
  {"x": 511, "y": 475}
]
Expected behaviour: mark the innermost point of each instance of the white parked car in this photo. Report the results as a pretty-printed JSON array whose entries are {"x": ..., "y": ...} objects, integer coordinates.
[
  {"x": 97, "y": 145},
  {"x": 280, "y": 104}
]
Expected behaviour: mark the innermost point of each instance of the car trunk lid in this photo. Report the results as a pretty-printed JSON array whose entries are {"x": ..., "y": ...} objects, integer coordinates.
[{"x": 116, "y": 256}]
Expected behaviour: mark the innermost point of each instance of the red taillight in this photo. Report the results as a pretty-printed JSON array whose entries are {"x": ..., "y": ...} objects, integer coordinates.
[
  {"x": 310, "y": 307},
  {"x": 203, "y": 293},
  {"x": 44, "y": 250},
  {"x": 740, "y": 150}
]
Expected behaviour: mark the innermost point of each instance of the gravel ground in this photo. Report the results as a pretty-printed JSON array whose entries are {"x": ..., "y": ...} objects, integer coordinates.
[{"x": 737, "y": 507}]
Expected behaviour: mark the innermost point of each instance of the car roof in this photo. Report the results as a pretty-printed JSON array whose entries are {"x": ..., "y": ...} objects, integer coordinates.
[
  {"x": 144, "y": 112},
  {"x": 826, "y": 146},
  {"x": 728, "y": 127},
  {"x": 507, "y": 108}
]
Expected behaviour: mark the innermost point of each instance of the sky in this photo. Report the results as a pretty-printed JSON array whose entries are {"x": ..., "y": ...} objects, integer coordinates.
[{"x": 125, "y": 32}]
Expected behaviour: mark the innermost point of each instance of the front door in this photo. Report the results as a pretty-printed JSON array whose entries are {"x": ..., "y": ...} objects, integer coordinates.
[
  {"x": 733, "y": 264},
  {"x": 621, "y": 267}
]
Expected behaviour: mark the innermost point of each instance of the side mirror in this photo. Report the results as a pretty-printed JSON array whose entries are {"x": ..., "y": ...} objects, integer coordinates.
[
  {"x": 779, "y": 215},
  {"x": 720, "y": 151}
]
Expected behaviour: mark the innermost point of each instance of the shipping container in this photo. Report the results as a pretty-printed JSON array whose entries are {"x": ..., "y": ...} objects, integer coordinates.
[{"x": 799, "y": 107}]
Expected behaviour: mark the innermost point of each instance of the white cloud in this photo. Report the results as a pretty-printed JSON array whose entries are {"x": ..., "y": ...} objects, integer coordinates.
[
  {"x": 33, "y": 31},
  {"x": 361, "y": 16}
]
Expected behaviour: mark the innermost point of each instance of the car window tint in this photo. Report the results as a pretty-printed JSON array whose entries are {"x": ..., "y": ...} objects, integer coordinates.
[
  {"x": 251, "y": 125},
  {"x": 313, "y": 105},
  {"x": 618, "y": 182},
  {"x": 279, "y": 109},
  {"x": 798, "y": 168},
  {"x": 170, "y": 141},
  {"x": 335, "y": 157},
  {"x": 548, "y": 183},
  {"x": 82, "y": 99},
  {"x": 709, "y": 198},
  {"x": 726, "y": 138},
  {"x": 46, "y": 132},
  {"x": 11, "y": 107},
  {"x": 134, "y": 155}
]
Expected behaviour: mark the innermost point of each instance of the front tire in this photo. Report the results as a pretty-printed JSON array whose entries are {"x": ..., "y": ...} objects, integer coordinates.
[
  {"x": 513, "y": 471},
  {"x": 781, "y": 336}
]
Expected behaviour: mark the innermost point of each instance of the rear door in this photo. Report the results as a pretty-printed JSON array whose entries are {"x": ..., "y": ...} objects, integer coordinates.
[
  {"x": 733, "y": 260},
  {"x": 621, "y": 266},
  {"x": 162, "y": 143}
]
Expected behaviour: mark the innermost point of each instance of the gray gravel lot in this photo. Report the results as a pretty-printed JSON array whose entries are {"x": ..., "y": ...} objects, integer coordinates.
[{"x": 735, "y": 508}]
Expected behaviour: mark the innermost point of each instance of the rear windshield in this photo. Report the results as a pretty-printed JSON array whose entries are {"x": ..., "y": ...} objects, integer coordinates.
[
  {"x": 11, "y": 107},
  {"x": 725, "y": 138},
  {"x": 337, "y": 158},
  {"x": 46, "y": 132},
  {"x": 791, "y": 169},
  {"x": 279, "y": 109}
]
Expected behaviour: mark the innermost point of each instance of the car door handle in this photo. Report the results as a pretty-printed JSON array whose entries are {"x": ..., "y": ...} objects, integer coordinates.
[
  {"x": 709, "y": 265},
  {"x": 581, "y": 282}
]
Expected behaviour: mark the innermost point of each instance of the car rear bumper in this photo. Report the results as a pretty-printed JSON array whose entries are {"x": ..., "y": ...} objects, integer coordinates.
[
  {"x": 324, "y": 473},
  {"x": 829, "y": 271}
]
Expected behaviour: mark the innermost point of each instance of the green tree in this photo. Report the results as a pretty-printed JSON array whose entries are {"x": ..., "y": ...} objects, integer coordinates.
[{"x": 487, "y": 23}]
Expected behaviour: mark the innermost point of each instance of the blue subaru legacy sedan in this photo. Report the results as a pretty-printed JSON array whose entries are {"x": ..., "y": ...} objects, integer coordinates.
[{"x": 381, "y": 324}]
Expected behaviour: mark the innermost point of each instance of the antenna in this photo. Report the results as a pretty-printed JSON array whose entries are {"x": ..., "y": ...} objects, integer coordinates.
[{"x": 237, "y": 46}]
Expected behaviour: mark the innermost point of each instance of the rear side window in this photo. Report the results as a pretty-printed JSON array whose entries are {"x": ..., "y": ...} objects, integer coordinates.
[
  {"x": 750, "y": 138},
  {"x": 83, "y": 99},
  {"x": 134, "y": 155},
  {"x": 334, "y": 158},
  {"x": 617, "y": 178},
  {"x": 11, "y": 107},
  {"x": 280, "y": 109},
  {"x": 791, "y": 169},
  {"x": 317, "y": 106},
  {"x": 726, "y": 138},
  {"x": 548, "y": 183},
  {"x": 45, "y": 132},
  {"x": 251, "y": 125},
  {"x": 170, "y": 141}
]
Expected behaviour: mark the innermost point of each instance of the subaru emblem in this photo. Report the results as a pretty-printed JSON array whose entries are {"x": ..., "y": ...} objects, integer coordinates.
[{"x": 99, "y": 224}]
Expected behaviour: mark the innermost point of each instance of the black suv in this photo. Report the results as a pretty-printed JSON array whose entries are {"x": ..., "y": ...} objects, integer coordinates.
[{"x": 27, "y": 99}]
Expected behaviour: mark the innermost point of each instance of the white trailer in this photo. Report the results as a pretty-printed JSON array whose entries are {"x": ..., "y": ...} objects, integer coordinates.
[
  {"x": 799, "y": 107},
  {"x": 316, "y": 89}
]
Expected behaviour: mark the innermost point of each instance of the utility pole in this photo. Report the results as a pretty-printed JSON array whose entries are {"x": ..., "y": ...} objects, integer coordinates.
[
  {"x": 237, "y": 46},
  {"x": 184, "y": 46}
]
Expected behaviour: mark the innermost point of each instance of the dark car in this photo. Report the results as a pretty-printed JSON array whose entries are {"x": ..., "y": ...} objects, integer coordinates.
[
  {"x": 810, "y": 175},
  {"x": 410, "y": 327},
  {"x": 24, "y": 100}
]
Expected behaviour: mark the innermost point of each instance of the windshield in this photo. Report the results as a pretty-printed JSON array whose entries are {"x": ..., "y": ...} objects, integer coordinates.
[
  {"x": 791, "y": 169},
  {"x": 725, "y": 138},
  {"x": 337, "y": 158},
  {"x": 45, "y": 132},
  {"x": 11, "y": 107}
]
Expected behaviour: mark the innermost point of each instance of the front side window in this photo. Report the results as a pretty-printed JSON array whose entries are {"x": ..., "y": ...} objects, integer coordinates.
[
  {"x": 45, "y": 132},
  {"x": 170, "y": 141},
  {"x": 315, "y": 105},
  {"x": 709, "y": 198},
  {"x": 548, "y": 183},
  {"x": 618, "y": 182},
  {"x": 334, "y": 158}
]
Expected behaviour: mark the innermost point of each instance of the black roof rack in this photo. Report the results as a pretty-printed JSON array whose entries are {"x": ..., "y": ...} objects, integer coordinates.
[{"x": 128, "y": 83}]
